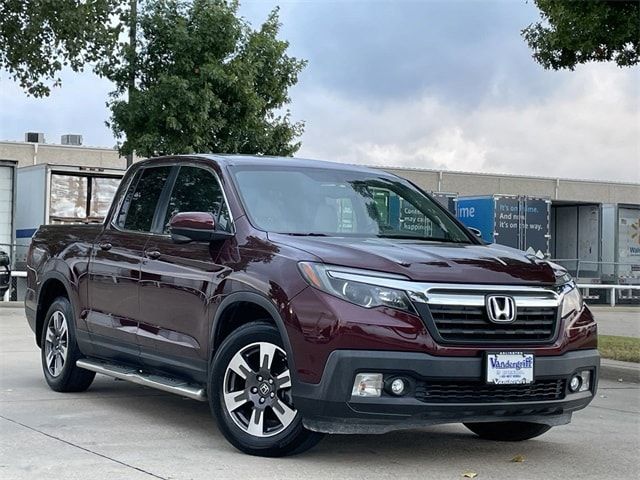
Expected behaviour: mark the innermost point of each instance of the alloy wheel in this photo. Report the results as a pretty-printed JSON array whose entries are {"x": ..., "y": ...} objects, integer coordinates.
[
  {"x": 56, "y": 343},
  {"x": 257, "y": 390}
]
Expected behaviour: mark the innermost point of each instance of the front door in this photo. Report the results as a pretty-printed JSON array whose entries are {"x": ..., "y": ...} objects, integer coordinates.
[
  {"x": 114, "y": 270},
  {"x": 178, "y": 281}
]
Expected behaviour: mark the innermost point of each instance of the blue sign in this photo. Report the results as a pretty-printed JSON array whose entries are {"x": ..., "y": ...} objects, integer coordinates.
[{"x": 477, "y": 213}]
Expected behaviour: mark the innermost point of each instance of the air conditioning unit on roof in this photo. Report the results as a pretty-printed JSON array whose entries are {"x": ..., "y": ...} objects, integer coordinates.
[
  {"x": 71, "y": 139},
  {"x": 34, "y": 137}
]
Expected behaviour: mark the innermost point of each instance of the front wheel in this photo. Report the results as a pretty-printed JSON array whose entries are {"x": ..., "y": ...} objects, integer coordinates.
[
  {"x": 508, "y": 431},
  {"x": 249, "y": 393}
]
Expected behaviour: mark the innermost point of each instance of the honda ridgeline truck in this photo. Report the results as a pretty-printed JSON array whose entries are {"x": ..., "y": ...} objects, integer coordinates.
[{"x": 301, "y": 298}]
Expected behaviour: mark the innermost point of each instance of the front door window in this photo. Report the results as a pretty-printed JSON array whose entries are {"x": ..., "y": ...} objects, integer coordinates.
[{"x": 197, "y": 190}]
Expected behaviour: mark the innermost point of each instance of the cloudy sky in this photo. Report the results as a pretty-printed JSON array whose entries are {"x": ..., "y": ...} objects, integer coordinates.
[{"x": 422, "y": 84}]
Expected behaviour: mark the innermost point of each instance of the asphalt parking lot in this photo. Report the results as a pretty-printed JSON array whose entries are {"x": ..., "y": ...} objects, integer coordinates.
[{"x": 118, "y": 430}]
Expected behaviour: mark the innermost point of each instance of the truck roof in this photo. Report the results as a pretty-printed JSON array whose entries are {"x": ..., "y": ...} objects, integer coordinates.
[{"x": 236, "y": 159}]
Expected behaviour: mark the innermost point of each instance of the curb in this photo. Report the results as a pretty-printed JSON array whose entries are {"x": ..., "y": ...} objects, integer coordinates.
[{"x": 620, "y": 371}]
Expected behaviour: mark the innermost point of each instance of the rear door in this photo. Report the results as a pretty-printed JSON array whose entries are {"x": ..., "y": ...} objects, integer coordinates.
[
  {"x": 114, "y": 271},
  {"x": 178, "y": 281}
]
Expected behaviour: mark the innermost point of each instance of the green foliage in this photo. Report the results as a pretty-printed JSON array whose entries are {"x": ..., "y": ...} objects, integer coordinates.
[
  {"x": 576, "y": 32},
  {"x": 206, "y": 82},
  {"x": 40, "y": 37}
]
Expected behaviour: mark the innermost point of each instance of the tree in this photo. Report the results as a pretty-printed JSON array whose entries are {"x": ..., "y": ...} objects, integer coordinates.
[
  {"x": 40, "y": 37},
  {"x": 202, "y": 80},
  {"x": 576, "y": 32},
  {"x": 206, "y": 81}
]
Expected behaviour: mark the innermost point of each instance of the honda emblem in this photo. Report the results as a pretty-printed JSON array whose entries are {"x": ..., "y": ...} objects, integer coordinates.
[{"x": 501, "y": 308}]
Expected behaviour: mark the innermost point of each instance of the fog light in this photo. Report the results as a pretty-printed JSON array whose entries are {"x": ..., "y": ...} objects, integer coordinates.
[
  {"x": 367, "y": 385},
  {"x": 586, "y": 380},
  {"x": 398, "y": 386},
  {"x": 575, "y": 383}
]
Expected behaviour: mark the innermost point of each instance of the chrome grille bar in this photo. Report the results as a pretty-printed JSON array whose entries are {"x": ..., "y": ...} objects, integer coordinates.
[{"x": 456, "y": 294}]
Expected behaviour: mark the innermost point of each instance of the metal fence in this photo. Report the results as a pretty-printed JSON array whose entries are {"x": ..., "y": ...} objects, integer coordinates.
[
  {"x": 612, "y": 295},
  {"x": 11, "y": 295},
  {"x": 607, "y": 272}
]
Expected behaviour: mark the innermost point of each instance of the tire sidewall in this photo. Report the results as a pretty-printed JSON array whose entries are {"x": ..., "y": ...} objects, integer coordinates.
[
  {"x": 243, "y": 336},
  {"x": 63, "y": 305}
]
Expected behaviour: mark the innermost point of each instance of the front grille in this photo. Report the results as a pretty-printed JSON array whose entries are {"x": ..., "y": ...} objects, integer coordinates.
[
  {"x": 478, "y": 392},
  {"x": 456, "y": 323}
]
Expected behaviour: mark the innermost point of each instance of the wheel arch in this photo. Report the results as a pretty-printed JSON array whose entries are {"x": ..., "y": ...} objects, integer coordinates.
[{"x": 226, "y": 315}]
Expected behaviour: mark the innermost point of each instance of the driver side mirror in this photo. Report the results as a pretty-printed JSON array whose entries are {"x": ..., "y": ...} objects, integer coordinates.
[{"x": 195, "y": 227}]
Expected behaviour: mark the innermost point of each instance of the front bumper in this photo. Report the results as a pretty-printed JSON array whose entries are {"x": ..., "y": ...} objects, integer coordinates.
[{"x": 329, "y": 407}]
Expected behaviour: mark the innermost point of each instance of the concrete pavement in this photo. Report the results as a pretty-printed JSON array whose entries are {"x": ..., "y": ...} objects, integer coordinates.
[{"x": 118, "y": 430}]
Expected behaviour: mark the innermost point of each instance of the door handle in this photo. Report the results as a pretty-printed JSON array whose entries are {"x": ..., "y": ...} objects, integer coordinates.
[
  {"x": 105, "y": 246},
  {"x": 152, "y": 254}
]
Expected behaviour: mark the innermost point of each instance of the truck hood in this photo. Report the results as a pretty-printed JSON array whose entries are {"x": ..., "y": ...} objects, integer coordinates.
[{"x": 427, "y": 261}]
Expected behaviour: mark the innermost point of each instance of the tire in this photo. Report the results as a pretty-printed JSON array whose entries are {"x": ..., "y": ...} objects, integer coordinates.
[
  {"x": 508, "y": 431},
  {"x": 250, "y": 397},
  {"x": 60, "y": 351}
]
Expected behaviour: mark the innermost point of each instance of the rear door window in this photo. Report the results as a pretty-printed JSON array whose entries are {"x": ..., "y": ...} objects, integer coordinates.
[{"x": 139, "y": 205}]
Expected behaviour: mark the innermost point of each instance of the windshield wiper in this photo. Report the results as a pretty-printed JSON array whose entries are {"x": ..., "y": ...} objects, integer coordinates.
[
  {"x": 401, "y": 236},
  {"x": 309, "y": 234}
]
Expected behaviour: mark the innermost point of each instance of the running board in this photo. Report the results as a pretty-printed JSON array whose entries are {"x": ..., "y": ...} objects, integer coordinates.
[{"x": 130, "y": 374}]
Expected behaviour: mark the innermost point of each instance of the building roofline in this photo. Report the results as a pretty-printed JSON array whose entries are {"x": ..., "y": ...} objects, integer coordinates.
[
  {"x": 505, "y": 175},
  {"x": 57, "y": 145}
]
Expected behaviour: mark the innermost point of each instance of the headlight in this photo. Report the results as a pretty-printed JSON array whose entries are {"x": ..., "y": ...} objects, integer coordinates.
[
  {"x": 571, "y": 300},
  {"x": 566, "y": 286},
  {"x": 364, "y": 294},
  {"x": 562, "y": 276}
]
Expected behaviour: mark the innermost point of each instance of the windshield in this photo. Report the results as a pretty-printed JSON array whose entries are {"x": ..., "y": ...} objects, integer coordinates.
[{"x": 335, "y": 202}]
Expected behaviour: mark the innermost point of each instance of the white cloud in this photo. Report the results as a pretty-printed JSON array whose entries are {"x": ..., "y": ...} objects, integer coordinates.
[{"x": 588, "y": 127}]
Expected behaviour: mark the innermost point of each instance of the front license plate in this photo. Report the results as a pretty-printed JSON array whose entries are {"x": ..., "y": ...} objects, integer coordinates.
[{"x": 509, "y": 368}]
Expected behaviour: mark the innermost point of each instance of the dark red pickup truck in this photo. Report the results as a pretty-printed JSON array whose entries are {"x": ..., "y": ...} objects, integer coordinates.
[{"x": 302, "y": 297}]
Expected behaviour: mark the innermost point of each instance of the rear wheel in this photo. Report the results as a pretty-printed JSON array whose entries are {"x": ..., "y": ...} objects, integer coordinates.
[
  {"x": 250, "y": 394},
  {"x": 508, "y": 431},
  {"x": 60, "y": 351}
]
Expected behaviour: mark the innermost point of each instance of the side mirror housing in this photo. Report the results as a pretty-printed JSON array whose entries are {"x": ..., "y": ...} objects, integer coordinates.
[{"x": 195, "y": 227}]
